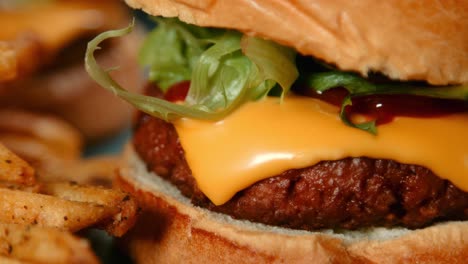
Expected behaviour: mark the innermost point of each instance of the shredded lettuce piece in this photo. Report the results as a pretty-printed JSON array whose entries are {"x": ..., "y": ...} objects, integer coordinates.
[
  {"x": 222, "y": 76},
  {"x": 366, "y": 126},
  {"x": 273, "y": 61},
  {"x": 158, "y": 107},
  {"x": 227, "y": 69},
  {"x": 171, "y": 50},
  {"x": 358, "y": 86}
]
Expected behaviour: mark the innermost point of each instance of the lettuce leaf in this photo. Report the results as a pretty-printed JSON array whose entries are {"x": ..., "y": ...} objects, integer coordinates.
[
  {"x": 222, "y": 76},
  {"x": 275, "y": 62},
  {"x": 227, "y": 69},
  {"x": 358, "y": 86},
  {"x": 171, "y": 50}
]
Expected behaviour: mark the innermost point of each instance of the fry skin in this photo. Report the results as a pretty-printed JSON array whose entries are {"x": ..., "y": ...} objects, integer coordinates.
[
  {"x": 14, "y": 169},
  {"x": 43, "y": 245},
  {"x": 25, "y": 208}
]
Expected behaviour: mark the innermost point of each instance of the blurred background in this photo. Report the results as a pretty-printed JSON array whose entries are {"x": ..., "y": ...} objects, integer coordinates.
[
  {"x": 43, "y": 72},
  {"x": 51, "y": 113}
]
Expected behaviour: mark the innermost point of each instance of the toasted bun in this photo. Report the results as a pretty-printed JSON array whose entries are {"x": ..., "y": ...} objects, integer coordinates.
[
  {"x": 171, "y": 230},
  {"x": 70, "y": 93},
  {"x": 405, "y": 40}
]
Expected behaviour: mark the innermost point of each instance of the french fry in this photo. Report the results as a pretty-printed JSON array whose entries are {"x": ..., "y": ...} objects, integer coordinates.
[
  {"x": 124, "y": 220},
  {"x": 37, "y": 217},
  {"x": 14, "y": 169},
  {"x": 8, "y": 62},
  {"x": 20, "y": 57},
  {"x": 53, "y": 209},
  {"x": 8, "y": 260},
  {"x": 30, "y": 149},
  {"x": 94, "y": 171},
  {"x": 98, "y": 171},
  {"x": 119, "y": 223},
  {"x": 49, "y": 164},
  {"x": 44, "y": 210},
  {"x": 43, "y": 245},
  {"x": 62, "y": 139},
  {"x": 53, "y": 148},
  {"x": 68, "y": 206},
  {"x": 87, "y": 194},
  {"x": 18, "y": 186}
]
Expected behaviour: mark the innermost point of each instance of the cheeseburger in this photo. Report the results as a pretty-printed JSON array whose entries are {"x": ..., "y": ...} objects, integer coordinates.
[{"x": 299, "y": 131}]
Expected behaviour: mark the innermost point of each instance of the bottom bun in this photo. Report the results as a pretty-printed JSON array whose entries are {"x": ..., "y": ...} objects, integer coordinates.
[{"x": 171, "y": 230}]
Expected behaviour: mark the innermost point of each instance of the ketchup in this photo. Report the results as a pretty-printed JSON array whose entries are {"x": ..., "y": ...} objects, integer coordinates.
[
  {"x": 177, "y": 92},
  {"x": 384, "y": 108}
]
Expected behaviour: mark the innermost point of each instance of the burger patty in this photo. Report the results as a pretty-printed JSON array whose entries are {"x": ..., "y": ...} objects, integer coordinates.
[{"x": 349, "y": 193}]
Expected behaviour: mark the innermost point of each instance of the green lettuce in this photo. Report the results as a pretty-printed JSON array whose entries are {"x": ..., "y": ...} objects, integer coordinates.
[
  {"x": 172, "y": 49},
  {"x": 227, "y": 69},
  {"x": 358, "y": 86},
  {"x": 223, "y": 73}
]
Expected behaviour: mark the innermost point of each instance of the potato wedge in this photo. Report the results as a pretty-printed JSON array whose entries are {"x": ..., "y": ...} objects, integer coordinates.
[
  {"x": 88, "y": 194},
  {"x": 18, "y": 186},
  {"x": 14, "y": 169},
  {"x": 25, "y": 208},
  {"x": 47, "y": 163},
  {"x": 43, "y": 245},
  {"x": 98, "y": 171},
  {"x": 117, "y": 225},
  {"x": 63, "y": 139},
  {"x": 8, "y": 62},
  {"x": 20, "y": 57},
  {"x": 10, "y": 260}
]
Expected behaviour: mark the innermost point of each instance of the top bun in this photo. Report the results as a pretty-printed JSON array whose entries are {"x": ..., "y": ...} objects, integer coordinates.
[{"x": 405, "y": 40}]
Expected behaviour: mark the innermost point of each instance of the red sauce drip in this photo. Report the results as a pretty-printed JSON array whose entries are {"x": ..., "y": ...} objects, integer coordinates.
[
  {"x": 177, "y": 92},
  {"x": 383, "y": 108}
]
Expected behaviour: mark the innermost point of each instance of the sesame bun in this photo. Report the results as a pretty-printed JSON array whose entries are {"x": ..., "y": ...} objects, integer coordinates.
[
  {"x": 171, "y": 230},
  {"x": 405, "y": 40}
]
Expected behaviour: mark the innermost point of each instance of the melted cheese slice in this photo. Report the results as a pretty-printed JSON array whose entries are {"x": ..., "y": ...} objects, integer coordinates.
[{"x": 266, "y": 138}]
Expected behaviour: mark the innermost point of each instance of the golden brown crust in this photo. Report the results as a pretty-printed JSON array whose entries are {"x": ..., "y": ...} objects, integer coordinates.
[
  {"x": 170, "y": 230},
  {"x": 406, "y": 40}
]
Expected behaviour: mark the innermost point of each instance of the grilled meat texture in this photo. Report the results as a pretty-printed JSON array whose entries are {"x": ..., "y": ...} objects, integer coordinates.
[{"x": 350, "y": 193}]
